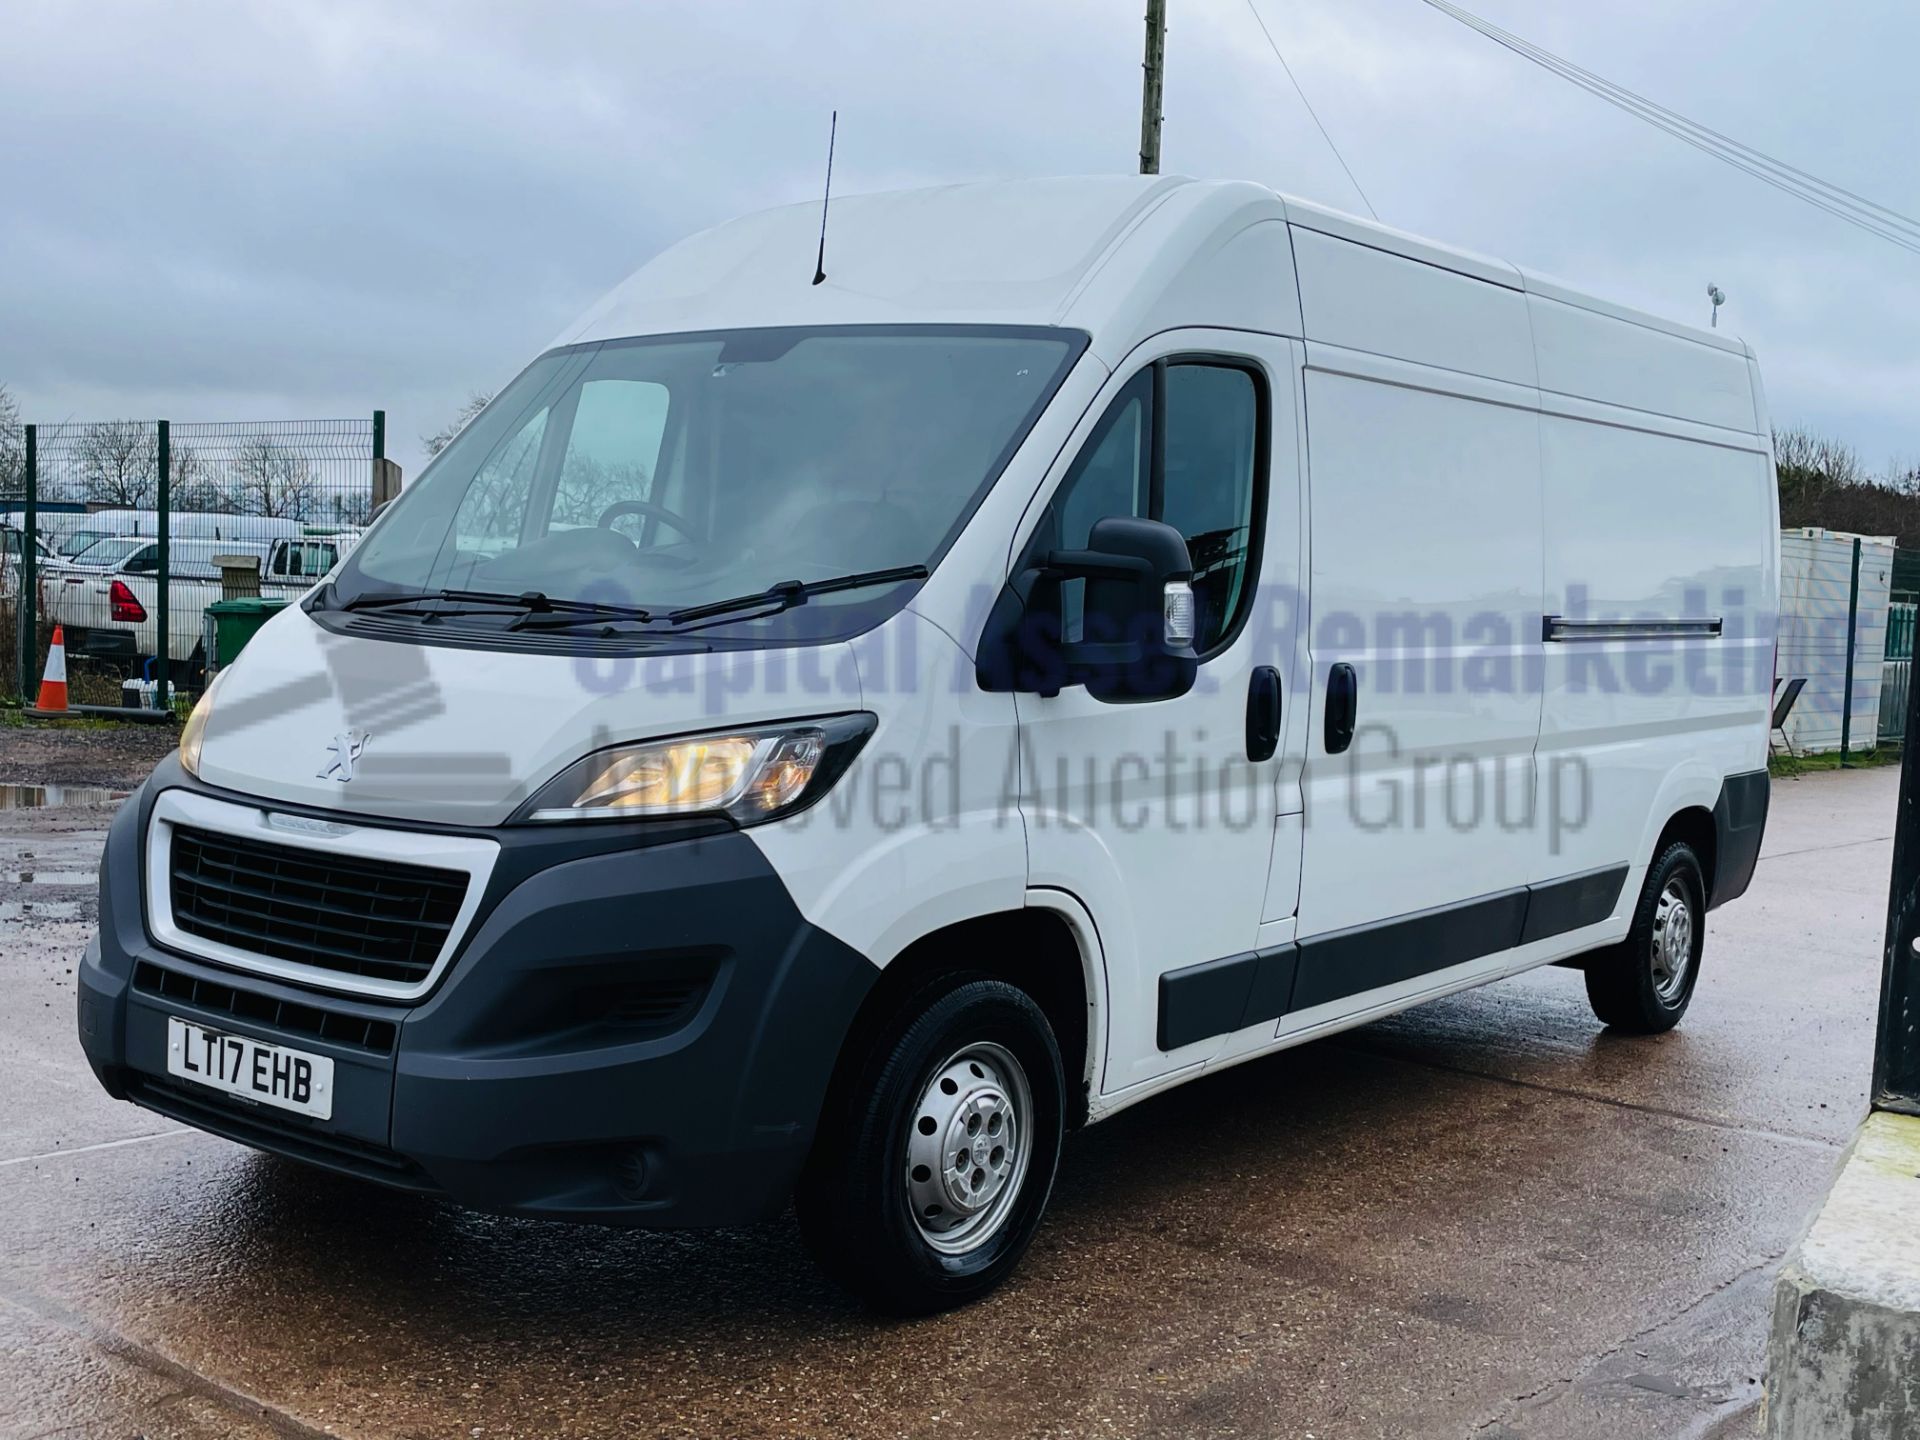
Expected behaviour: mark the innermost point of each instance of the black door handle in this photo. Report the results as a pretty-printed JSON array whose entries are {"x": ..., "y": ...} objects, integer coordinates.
[
  {"x": 1343, "y": 700},
  {"x": 1263, "y": 714}
]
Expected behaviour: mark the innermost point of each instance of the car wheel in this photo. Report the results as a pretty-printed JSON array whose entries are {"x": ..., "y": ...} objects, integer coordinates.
[
  {"x": 932, "y": 1167},
  {"x": 1644, "y": 984}
]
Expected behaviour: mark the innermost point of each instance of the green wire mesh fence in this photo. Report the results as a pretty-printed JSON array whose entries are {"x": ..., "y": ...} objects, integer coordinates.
[{"x": 122, "y": 532}]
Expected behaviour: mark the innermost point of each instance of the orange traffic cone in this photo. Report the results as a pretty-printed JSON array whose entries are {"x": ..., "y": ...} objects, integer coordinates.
[{"x": 53, "y": 685}]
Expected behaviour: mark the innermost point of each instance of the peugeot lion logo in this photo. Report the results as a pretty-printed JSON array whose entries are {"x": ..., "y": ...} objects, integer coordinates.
[{"x": 342, "y": 751}]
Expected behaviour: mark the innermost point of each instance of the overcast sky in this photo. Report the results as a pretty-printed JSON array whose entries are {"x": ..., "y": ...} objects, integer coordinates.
[{"x": 301, "y": 208}]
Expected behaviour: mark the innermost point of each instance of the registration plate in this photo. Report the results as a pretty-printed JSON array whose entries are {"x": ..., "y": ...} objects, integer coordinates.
[{"x": 251, "y": 1069}]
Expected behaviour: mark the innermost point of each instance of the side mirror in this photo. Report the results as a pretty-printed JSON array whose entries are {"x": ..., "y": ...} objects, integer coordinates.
[{"x": 1137, "y": 618}]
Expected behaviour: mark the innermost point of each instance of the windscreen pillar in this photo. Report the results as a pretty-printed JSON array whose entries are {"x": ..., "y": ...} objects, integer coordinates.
[{"x": 1843, "y": 1358}]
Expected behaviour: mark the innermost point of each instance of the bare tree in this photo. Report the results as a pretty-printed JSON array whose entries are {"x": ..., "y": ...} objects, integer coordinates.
[
  {"x": 191, "y": 485},
  {"x": 353, "y": 506},
  {"x": 270, "y": 480},
  {"x": 476, "y": 401},
  {"x": 588, "y": 486},
  {"x": 118, "y": 462},
  {"x": 495, "y": 504},
  {"x": 13, "y": 447},
  {"x": 1812, "y": 463},
  {"x": 1904, "y": 476},
  {"x": 1823, "y": 482}
]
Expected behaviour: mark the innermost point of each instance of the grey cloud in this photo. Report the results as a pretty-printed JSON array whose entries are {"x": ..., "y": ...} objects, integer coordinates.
[{"x": 234, "y": 210}]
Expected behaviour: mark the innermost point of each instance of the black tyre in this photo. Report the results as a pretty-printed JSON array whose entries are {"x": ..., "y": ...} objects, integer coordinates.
[
  {"x": 934, "y": 1162},
  {"x": 1643, "y": 984}
]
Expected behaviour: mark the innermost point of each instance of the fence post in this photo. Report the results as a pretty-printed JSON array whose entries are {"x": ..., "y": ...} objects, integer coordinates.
[
  {"x": 386, "y": 474},
  {"x": 1896, "y": 1051},
  {"x": 163, "y": 661},
  {"x": 1853, "y": 620},
  {"x": 30, "y": 571}
]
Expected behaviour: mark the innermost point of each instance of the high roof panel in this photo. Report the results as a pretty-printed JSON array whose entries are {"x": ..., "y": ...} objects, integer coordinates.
[
  {"x": 1009, "y": 252},
  {"x": 1029, "y": 252}
]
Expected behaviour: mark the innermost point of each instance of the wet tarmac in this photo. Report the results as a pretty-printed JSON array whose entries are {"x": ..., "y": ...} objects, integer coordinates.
[
  {"x": 55, "y": 797},
  {"x": 1485, "y": 1217}
]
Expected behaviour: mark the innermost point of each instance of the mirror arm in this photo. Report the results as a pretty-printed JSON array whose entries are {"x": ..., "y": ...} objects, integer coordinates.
[{"x": 1093, "y": 565}]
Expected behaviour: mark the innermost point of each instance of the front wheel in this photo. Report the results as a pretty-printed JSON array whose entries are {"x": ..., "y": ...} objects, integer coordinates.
[
  {"x": 932, "y": 1168},
  {"x": 1644, "y": 984}
]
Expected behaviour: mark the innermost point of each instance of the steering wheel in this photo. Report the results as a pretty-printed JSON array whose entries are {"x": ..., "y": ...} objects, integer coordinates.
[{"x": 648, "y": 510}]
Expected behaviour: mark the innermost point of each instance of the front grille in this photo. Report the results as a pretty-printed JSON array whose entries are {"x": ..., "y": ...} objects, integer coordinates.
[
  {"x": 375, "y": 918},
  {"x": 374, "y": 1036}
]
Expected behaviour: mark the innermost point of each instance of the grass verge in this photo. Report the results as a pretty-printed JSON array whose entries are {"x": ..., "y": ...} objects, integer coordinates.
[{"x": 1791, "y": 767}]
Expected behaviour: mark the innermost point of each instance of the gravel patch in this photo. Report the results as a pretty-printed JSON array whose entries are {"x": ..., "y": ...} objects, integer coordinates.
[{"x": 105, "y": 753}]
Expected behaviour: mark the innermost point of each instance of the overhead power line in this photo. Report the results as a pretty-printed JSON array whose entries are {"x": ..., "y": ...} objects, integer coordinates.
[
  {"x": 1273, "y": 46},
  {"x": 1876, "y": 219}
]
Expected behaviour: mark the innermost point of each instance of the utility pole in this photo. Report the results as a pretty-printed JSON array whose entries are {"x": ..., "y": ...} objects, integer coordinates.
[{"x": 1151, "y": 82}]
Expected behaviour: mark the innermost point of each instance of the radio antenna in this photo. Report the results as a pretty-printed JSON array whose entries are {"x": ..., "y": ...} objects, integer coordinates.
[{"x": 820, "y": 265}]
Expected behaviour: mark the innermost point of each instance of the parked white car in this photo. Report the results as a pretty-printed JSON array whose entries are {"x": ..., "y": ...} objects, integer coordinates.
[
  {"x": 106, "y": 553},
  {"x": 107, "y": 596},
  {"x": 70, "y": 533}
]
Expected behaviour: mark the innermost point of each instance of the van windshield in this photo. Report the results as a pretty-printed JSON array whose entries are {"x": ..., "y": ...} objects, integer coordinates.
[{"x": 672, "y": 472}]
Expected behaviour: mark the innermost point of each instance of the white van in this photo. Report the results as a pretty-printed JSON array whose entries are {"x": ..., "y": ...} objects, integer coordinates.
[
  {"x": 824, "y": 740},
  {"x": 77, "y": 533},
  {"x": 50, "y": 525}
]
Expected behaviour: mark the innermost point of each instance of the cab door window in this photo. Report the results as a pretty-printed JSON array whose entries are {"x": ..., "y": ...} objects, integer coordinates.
[{"x": 1183, "y": 443}]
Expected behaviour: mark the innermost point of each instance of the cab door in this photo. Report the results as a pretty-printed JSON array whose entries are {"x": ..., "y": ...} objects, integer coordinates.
[{"x": 1160, "y": 815}]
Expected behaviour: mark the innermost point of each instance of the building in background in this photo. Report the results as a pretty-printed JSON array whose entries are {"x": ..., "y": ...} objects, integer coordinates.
[{"x": 1816, "y": 593}]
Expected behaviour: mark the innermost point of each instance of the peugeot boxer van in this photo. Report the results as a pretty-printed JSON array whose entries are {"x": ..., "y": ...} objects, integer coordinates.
[
  {"x": 817, "y": 741},
  {"x": 78, "y": 532}
]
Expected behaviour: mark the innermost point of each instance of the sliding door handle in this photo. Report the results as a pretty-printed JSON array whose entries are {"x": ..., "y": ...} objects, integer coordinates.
[
  {"x": 1263, "y": 714},
  {"x": 1343, "y": 703}
]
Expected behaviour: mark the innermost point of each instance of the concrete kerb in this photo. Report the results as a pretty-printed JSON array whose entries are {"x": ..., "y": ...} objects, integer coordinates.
[{"x": 1843, "y": 1358}]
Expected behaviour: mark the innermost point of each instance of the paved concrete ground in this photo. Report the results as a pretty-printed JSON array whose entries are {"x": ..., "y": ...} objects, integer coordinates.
[{"x": 1482, "y": 1218}]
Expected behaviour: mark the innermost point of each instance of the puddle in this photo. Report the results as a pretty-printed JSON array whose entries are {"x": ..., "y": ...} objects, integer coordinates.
[
  {"x": 47, "y": 877},
  {"x": 39, "y": 910},
  {"x": 48, "y": 797}
]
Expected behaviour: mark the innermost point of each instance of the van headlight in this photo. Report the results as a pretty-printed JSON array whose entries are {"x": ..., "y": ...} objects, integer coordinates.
[
  {"x": 193, "y": 734},
  {"x": 754, "y": 774}
]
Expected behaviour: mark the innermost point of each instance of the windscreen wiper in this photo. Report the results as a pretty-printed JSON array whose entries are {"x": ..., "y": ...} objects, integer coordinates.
[
  {"x": 785, "y": 594},
  {"x": 565, "y": 614},
  {"x": 532, "y": 603},
  {"x": 390, "y": 599}
]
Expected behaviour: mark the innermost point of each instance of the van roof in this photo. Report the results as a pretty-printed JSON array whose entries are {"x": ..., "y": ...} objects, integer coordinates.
[{"x": 1075, "y": 251}]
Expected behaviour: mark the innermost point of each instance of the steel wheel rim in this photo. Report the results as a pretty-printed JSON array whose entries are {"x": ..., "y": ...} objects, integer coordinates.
[
  {"x": 969, "y": 1144},
  {"x": 1672, "y": 941}
]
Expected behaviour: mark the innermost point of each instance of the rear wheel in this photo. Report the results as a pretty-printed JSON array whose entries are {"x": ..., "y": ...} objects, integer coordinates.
[
  {"x": 1644, "y": 984},
  {"x": 933, "y": 1166}
]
